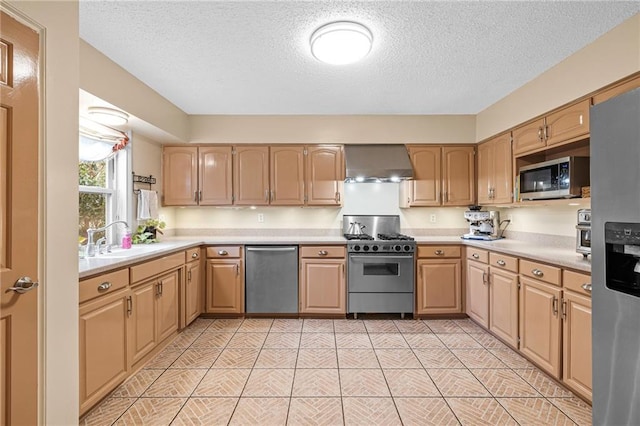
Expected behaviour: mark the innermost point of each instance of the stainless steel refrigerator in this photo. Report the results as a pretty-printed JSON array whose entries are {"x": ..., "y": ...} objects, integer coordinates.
[{"x": 615, "y": 204}]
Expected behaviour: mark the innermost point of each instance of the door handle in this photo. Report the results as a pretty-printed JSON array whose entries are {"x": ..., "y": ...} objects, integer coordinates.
[
  {"x": 237, "y": 270},
  {"x": 23, "y": 285},
  {"x": 195, "y": 196},
  {"x": 564, "y": 309},
  {"x": 104, "y": 286},
  {"x": 484, "y": 278},
  {"x": 343, "y": 270},
  {"x": 129, "y": 305},
  {"x": 338, "y": 196},
  {"x": 189, "y": 275},
  {"x": 266, "y": 195},
  {"x": 555, "y": 305}
]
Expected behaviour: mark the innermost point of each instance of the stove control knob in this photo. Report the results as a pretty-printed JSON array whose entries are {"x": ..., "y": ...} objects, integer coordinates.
[
  {"x": 407, "y": 248},
  {"x": 356, "y": 248},
  {"x": 398, "y": 248},
  {"x": 365, "y": 248},
  {"x": 375, "y": 248}
]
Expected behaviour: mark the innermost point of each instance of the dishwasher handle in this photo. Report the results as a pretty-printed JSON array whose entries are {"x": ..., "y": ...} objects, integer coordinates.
[{"x": 271, "y": 248}]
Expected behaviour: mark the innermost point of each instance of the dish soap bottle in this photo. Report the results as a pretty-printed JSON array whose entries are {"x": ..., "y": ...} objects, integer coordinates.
[{"x": 126, "y": 240}]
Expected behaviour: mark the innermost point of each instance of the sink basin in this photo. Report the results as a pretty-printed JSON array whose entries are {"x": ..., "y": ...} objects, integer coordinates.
[{"x": 119, "y": 253}]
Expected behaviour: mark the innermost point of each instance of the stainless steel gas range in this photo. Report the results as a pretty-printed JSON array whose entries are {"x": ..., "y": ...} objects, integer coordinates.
[{"x": 380, "y": 264}]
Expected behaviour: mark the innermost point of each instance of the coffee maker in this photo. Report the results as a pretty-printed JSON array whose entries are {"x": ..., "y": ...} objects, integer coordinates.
[{"x": 483, "y": 225}]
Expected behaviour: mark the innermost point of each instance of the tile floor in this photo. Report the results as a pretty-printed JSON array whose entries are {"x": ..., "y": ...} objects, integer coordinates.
[{"x": 334, "y": 372}]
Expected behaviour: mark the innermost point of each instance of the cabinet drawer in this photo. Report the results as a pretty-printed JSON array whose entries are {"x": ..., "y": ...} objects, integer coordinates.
[
  {"x": 103, "y": 284},
  {"x": 223, "y": 252},
  {"x": 322, "y": 252},
  {"x": 477, "y": 255},
  {"x": 539, "y": 271},
  {"x": 191, "y": 255},
  {"x": 438, "y": 251},
  {"x": 155, "y": 267},
  {"x": 502, "y": 261},
  {"x": 574, "y": 281}
]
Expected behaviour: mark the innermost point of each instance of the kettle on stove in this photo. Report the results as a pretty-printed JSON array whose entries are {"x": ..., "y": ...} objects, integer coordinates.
[{"x": 356, "y": 228}]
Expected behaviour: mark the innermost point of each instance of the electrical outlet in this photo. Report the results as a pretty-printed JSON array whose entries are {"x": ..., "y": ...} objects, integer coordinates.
[
  {"x": 432, "y": 218},
  {"x": 260, "y": 217},
  {"x": 510, "y": 218}
]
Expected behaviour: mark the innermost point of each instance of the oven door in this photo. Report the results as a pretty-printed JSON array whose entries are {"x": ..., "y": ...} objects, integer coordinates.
[{"x": 381, "y": 273}]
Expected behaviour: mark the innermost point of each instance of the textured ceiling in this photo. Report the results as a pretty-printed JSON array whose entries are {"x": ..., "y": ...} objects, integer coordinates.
[{"x": 252, "y": 57}]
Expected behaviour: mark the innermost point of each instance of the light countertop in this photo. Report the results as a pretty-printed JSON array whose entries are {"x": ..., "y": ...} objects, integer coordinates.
[{"x": 121, "y": 258}]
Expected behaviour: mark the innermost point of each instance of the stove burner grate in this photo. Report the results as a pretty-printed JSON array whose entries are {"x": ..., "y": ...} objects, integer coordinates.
[
  {"x": 395, "y": 237},
  {"x": 360, "y": 237}
]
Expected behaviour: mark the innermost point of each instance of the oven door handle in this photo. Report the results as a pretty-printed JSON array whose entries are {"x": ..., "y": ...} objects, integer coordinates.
[
  {"x": 583, "y": 227},
  {"x": 381, "y": 255}
]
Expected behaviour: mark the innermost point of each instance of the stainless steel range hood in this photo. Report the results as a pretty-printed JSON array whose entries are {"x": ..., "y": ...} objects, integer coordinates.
[{"x": 377, "y": 163}]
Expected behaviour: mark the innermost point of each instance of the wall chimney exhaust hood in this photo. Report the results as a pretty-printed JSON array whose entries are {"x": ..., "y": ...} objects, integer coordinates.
[{"x": 377, "y": 163}]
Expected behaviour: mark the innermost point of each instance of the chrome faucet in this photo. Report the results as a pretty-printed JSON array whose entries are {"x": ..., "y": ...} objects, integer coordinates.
[{"x": 91, "y": 246}]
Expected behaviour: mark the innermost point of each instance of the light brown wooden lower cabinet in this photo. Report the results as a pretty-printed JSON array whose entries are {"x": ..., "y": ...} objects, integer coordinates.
[
  {"x": 477, "y": 305},
  {"x": 103, "y": 346},
  {"x": 142, "y": 321},
  {"x": 540, "y": 324},
  {"x": 192, "y": 292},
  {"x": 503, "y": 305},
  {"x": 576, "y": 353},
  {"x": 168, "y": 308},
  {"x": 323, "y": 287},
  {"x": 225, "y": 286},
  {"x": 439, "y": 286}
]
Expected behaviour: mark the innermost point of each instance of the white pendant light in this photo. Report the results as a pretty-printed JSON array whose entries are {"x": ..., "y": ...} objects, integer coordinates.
[
  {"x": 110, "y": 116},
  {"x": 341, "y": 43}
]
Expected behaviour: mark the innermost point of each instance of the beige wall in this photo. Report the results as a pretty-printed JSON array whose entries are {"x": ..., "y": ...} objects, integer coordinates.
[
  {"x": 103, "y": 78},
  {"x": 556, "y": 220},
  {"x": 59, "y": 252},
  {"x": 332, "y": 129},
  {"x": 613, "y": 56}
]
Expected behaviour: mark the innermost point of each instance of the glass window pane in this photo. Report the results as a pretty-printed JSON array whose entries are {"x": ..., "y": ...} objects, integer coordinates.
[
  {"x": 93, "y": 213},
  {"x": 93, "y": 174}
]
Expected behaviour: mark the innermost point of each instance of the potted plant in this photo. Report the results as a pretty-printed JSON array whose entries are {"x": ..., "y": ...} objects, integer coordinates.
[{"x": 147, "y": 232}]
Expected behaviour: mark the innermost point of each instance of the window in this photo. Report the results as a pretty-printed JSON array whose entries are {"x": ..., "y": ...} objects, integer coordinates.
[{"x": 104, "y": 174}]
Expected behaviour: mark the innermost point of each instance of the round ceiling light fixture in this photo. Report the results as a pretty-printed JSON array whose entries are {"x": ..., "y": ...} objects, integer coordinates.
[
  {"x": 104, "y": 115},
  {"x": 341, "y": 43}
]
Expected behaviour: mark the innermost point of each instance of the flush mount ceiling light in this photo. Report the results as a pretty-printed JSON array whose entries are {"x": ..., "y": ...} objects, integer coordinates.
[
  {"x": 341, "y": 43},
  {"x": 106, "y": 115}
]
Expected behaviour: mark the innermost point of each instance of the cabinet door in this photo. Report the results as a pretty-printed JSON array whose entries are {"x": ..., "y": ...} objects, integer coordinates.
[
  {"x": 485, "y": 172},
  {"x": 322, "y": 286},
  {"x": 529, "y": 137},
  {"x": 215, "y": 185},
  {"x": 458, "y": 176},
  {"x": 427, "y": 178},
  {"x": 251, "y": 175},
  {"x": 569, "y": 123},
  {"x": 193, "y": 291},
  {"x": 503, "y": 305},
  {"x": 225, "y": 287},
  {"x": 287, "y": 175},
  {"x": 502, "y": 179},
  {"x": 324, "y": 175},
  {"x": 142, "y": 321},
  {"x": 540, "y": 324},
  {"x": 616, "y": 90},
  {"x": 439, "y": 285},
  {"x": 180, "y": 176},
  {"x": 167, "y": 304},
  {"x": 103, "y": 347},
  {"x": 478, "y": 292},
  {"x": 576, "y": 354}
]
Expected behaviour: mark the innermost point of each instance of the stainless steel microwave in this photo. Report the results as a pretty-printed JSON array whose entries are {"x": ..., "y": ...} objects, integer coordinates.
[{"x": 560, "y": 178}]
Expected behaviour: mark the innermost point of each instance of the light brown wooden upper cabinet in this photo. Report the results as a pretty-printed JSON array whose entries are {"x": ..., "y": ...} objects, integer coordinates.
[
  {"x": 566, "y": 125},
  {"x": 197, "y": 176},
  {"x": 495, "y": 180},
  {"x": 616, "y": 90},
  {"x": 287, "y": 175},
  {"x": 443, "y": 176},
  {"x": 324, "y": 175},
  {"x": 251, "y": 175}
]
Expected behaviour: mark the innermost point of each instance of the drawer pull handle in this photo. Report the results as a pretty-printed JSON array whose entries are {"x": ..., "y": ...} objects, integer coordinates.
[
  {"x": 475, "y": 256},
  {"x": 439, "y": 252},
  {"x": 537, "y": 272},
  {"x": 586, "y": 287},
  {"x": 501, "y": 262},
  {"x": 104, "y": 286},
  {"x": 194, "y": 255},
  {"x": 323, "y": 253},
  {"x": 223, "y": 253}
]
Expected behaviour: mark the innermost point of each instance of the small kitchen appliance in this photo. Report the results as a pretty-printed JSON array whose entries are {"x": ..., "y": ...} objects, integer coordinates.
[
  {"x": 483, "y": 225},
  {"x": 381, "y": 268},
  {"x": 560, "y": 178},
  {"x": 583, "y": 229}
]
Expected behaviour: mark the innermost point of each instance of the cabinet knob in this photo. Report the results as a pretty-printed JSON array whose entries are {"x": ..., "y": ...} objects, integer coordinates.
[
  {"x": 586, "y": 287},
  {"x": 222, "y": 253},
  {"x": 475, "y": 256},
  {"x": 537, "y": 272},
  {"x": 501, "y": 262},
  {"x": 439, "y": 252},
  {"x": 194, "y": 255},
  {"x": 104, "y": 286},
  {"x": 323, "y": 253}
]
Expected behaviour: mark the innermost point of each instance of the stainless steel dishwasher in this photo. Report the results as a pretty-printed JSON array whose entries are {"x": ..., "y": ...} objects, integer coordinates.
[{"x": 271, "y": 279}]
